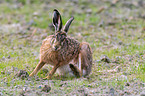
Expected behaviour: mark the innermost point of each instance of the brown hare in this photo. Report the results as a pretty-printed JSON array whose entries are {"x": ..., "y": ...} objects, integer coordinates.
[{"x": 65, "y": 54}]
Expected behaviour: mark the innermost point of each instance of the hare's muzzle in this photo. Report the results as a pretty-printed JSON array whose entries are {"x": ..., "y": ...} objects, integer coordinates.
[{"x": 56, "y": 48}]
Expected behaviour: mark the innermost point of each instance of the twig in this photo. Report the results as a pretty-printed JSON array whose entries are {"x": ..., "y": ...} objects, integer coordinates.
[
  {"x": 100, "y": 10},
  {"x": 34, "y": 31},
  {"x": 110, "y": 71}
]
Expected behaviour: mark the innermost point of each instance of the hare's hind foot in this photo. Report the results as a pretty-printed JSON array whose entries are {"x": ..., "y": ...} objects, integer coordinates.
[
  {"x": 75, "y": 70},
  {"x": 47, "y": 77}
]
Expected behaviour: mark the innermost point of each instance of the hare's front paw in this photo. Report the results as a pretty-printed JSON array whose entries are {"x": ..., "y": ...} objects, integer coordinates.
[
  {"x": 47, "y": 77},
  {"x": 32, "y": 74}
]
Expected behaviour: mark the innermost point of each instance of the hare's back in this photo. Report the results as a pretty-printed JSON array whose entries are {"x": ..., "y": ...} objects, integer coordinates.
[{"x": 70, "y": 49}]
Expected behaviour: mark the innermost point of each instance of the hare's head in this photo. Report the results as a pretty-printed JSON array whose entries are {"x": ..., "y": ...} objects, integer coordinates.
[{"x": 60, "y": 34}]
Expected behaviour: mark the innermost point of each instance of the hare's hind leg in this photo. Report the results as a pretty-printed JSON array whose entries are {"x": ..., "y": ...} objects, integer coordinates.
[
  {"x": 86, "y": 58},
  {"x": 52, "y": 72},
  {"x": 84, "y": 61},
  {"x": 38, "y": 67},
  {"x": 77, "y": 70}
]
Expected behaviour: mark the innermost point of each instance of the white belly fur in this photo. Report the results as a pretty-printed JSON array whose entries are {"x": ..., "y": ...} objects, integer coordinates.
[{"x": 65, "y": 69}]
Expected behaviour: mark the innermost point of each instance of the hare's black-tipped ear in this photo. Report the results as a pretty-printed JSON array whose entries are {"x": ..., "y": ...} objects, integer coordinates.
[
  {"x": 57, "y": 22},
  {"x": 66, "y": 27}
]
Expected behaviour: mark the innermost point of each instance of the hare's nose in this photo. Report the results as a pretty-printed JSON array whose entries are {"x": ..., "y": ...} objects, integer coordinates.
[{"x": 55, "y": 48}]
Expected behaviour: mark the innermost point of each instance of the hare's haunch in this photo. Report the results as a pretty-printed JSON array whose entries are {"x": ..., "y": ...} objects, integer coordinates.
[{"x": 65, "y": 54}]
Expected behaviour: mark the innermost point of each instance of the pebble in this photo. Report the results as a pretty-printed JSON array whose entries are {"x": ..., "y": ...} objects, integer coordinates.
[
  {"x": 81, "y": 90},
  {"x": 105, "y": 59},
  {"x": 9, "y": 57},
  {"x": 127, "y": 84},
  {"x": 3, "y": 58},
  {"x": 46, "y": 88},
  {"x": 112, "y": 91},
  {"x": 1, "y": 94},
  {"x": 142, "y": 93},
  {"x": 89, "y": 11},
  {"x": 2, "y": 72},
  {"x": 22, "y": 74},
  {"x": 39, "y": 87}
]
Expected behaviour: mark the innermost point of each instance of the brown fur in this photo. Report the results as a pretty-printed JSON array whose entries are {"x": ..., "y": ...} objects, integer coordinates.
[{"x": 59, "y": 50}]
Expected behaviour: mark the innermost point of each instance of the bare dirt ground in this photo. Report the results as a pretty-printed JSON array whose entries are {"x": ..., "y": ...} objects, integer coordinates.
[{"x": 115, "y": 30}]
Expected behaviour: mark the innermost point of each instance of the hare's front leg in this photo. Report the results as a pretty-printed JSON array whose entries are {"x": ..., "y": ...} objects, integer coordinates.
[
  {"x": 38, "y": 67},
  {"x": 53, "y": 70}
]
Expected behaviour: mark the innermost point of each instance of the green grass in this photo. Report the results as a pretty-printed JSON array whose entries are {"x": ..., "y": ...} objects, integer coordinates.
[{"x": 105, "y": 40}]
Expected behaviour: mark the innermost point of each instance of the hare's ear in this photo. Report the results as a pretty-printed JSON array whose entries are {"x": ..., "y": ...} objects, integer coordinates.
[
  {"x": 66, "y": 27},
  {"x": 57, "y": 22}
]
